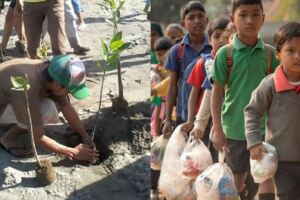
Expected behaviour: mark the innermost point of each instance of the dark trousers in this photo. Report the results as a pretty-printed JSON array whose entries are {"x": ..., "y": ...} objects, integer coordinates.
[
  {"x": 154, "y": 178},
  {"x": 287, "y": 179}
]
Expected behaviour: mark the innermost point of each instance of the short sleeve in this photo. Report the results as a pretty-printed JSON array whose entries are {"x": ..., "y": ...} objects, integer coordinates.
[
  {"x": 219, "y": 69},
  {"x": 196, "y": 76},
  {"x": 172, "y": 59},
  {"x": 206, "y": 84}
]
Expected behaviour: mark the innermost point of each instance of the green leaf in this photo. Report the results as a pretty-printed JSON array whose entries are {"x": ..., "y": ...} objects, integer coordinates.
[
  {"x": 120, "y": 5},
  {"x": 20, "y": 83},
  {"x": 103, "y": 50},
  {"x": 125, "y": 46},
  {"x": 117, "y": 36},
  {"x": 114, "y": 46},
  {"x": 113, "y": 61},
  {"x": 18, "y": 89},
  {"x": 42, "y": 53}
]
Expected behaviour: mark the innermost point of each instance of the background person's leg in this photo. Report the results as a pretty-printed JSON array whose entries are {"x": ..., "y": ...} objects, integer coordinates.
[{"x": 56, "y": 26}]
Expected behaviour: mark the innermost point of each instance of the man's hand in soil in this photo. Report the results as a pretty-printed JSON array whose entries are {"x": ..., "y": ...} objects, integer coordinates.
[
  {"x": 89, "y": 141},
  {"x": 84, "y": 152}
]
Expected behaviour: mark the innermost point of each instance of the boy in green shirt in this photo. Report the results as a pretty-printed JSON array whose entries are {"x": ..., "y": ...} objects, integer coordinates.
[{"x": 249, "y": 67}]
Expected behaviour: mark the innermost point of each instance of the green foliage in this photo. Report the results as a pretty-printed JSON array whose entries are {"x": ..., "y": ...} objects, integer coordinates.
[
  {"x": 42, "y": 51},
  {"x": 112, "y": 8},
  {"x": 110, "y": 52},
  {"x": 20, "y": 83}
]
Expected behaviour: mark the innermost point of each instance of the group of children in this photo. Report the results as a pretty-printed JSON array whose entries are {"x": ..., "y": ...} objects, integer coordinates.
[{"x": 249, "y": 90}]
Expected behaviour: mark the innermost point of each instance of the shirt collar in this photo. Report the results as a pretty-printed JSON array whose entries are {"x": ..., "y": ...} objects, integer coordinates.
[
  {"x": 280, "y": 81},
  {"x": 237, "y": 44},
  {"x": 205, "y": 43}
]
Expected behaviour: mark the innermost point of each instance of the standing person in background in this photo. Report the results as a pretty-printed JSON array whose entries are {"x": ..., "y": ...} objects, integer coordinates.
[
  {"x": 77, "y": 10},
  {"x": 278, "y": 96},
  {"x": 251, "y": 61},
  {"x": 35, "y": 12},
  {"x": 14, "y": 20},
  {"x": 195, "y": 42}
]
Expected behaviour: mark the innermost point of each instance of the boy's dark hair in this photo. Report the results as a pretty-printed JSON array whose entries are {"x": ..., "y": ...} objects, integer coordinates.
[
  {"x": 218, "y": 23},
  {"x": 285, "y": 33},
  {"x": 192, "y": 5},
  {"x": 162, "y": 43},
  {"x": 236, "y": 3}
]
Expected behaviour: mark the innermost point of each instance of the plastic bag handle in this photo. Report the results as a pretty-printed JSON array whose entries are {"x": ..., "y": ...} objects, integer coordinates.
[{"x": 221, "y": 156}]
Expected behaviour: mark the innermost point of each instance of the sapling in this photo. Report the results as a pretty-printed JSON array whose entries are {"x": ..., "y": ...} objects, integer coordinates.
[
  {"x": 45, "y": 173},
  {"x": 112, "y": 8},
  {"x": 110, "y": 55}
]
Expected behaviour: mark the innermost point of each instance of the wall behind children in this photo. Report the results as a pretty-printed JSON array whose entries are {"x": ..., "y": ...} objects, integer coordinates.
[{"x": 277, "y": 12}]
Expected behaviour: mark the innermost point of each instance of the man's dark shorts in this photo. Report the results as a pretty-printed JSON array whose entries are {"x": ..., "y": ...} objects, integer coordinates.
[{"x": 238, "y": 156}]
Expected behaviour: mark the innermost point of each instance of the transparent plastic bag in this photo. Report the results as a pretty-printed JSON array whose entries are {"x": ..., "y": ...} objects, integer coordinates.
[
  {"x": 158, "y": 147},
  {"x": 195, "y": 158},
  {"x": 265, "y": 168},
  {"x": 216, "y": 183},
  {"x": 171, "y": 183}
]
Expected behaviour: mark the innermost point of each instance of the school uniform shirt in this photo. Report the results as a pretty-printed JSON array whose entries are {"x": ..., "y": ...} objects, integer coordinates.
[
  {"x": 249, "y": 67},
  {"x": 189, "y": 54},
  {"x": 278, "y": 98}
]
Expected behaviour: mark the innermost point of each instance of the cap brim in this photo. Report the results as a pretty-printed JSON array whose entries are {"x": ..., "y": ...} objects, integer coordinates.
[{"x": 80, "y": 92}]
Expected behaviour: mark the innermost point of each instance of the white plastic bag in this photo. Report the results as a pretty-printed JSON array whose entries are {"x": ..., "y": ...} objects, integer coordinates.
[
  {"x": 158, "y": 147},
  {"x": 171, "y": 183},
  {"x": 216, "y": 183},
  {"x": 195, "y": 158},
  {"x": 265, "y": 168}
]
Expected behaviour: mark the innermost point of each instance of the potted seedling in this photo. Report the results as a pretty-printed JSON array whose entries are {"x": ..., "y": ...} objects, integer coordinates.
[{"x": 45, "y": 173}]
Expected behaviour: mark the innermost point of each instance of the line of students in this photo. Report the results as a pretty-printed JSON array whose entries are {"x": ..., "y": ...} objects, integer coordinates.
[{"x": 228, "y": 92}]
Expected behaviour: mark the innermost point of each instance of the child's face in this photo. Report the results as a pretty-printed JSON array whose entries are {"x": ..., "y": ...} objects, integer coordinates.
[
  {"x": 218, "y": 39},
  {"x": 161, "y": 56},
  {"x": 248, "y": 20},
  {"x": 195, "y": 22},
  {"x": 289, "y": 55},
  {"x": 174, "y": 34}
]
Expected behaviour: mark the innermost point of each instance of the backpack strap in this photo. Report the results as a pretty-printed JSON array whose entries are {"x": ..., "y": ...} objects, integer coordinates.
[
  {"x": 268, "y": 52},
  {"x": 179, "y": 58},
  {"x": 229, "y": 49}
]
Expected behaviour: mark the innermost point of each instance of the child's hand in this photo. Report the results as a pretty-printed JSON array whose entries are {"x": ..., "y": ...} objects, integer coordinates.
[
  {"x": 219, "y": 139},
  {"x": 187, "y": 126},
  {"x": 167, "y": 129},
  {"x": 196, "y": 133},
  {"x": 257, "y": 152}
]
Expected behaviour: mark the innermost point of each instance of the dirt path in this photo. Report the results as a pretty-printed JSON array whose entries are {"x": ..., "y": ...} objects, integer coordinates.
[{"x": 123, "y": 140}]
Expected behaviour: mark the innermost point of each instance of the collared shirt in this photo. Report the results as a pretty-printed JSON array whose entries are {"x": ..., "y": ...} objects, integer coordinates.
[
  {"x": 249, "y": 67},
  {"x": 189, "y": 54},
  {"x": 276, "y": 97}
]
